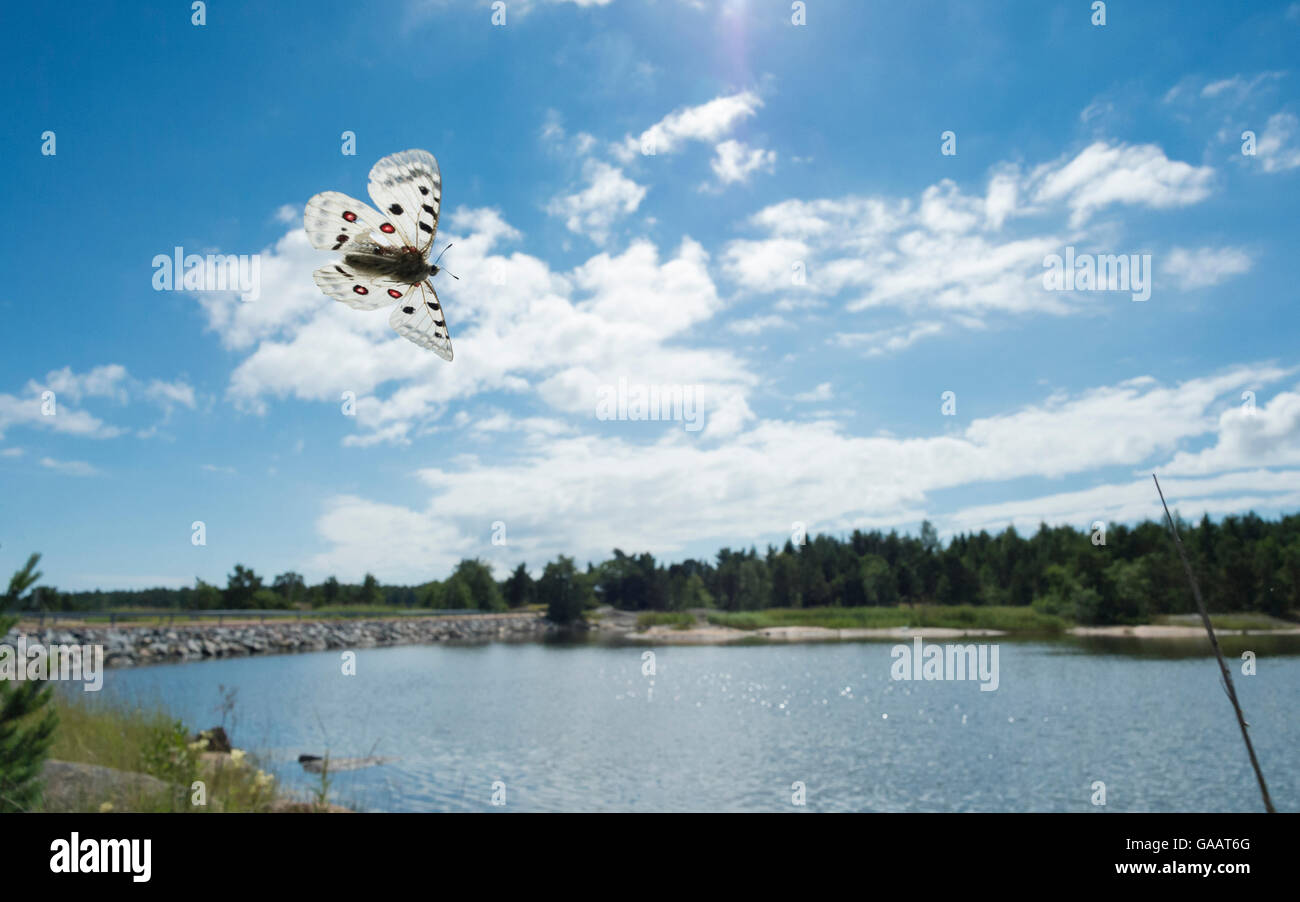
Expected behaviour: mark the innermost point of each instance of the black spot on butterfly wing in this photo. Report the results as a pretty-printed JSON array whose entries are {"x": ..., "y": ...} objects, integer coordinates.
[{"x": 395, "y": 209}]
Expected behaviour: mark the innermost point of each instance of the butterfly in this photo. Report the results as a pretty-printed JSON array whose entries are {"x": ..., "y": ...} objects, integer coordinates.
[{"x": 386, "y": 251}]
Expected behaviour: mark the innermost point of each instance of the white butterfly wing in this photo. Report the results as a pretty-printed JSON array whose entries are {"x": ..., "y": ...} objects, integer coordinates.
[
  {"x": 407, "y": 187},
  {"x": 420, "y": 319},
  {"x": 357, "y": 291},
  {"x": 333, "y": 220}
]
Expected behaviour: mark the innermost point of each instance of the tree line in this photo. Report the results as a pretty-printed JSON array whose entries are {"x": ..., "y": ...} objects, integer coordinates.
[{"x": 1120, "y": 575}]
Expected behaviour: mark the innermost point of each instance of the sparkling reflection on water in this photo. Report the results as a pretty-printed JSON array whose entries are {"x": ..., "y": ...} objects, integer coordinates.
[{"x": 581, "y": 728}]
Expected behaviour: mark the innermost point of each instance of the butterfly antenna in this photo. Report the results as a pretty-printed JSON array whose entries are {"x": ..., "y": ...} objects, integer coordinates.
[{"x": 445, "y": 269}]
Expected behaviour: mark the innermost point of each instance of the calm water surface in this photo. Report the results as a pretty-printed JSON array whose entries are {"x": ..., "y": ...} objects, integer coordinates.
[{"x": 579, "y": 728}]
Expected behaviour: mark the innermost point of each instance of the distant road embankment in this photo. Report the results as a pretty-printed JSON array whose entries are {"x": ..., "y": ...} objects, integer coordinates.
[{"x": 128, "y": 646}]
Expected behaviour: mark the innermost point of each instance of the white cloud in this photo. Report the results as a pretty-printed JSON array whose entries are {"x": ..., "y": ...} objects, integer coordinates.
[
  {"x": 756, "y": 325},
  {"x": 1238, "y": 88},
  {"x": 550, "y": 339},
  {"x": 1135, "y": 500},
  {"x": 707, "y": 122},
  {"x": 822, "y": 392},
  {"x": 1274, "y": 149},
  {"x": 1267, "y": 435},
  {"x": 169, "y": 393},
  {"x": 108, "y": 381},
  {"x": 1104, "y": 174},
  {"x": 735, "y": 162},
  {"x": 950, "y": 252},
  {"x": 60, "y": 412},
  {"x": 593, "y": 211},
  {"x": 557, "y": 496},
  {"x": 69, "y": 467},
  {"x": 1195, "y": 268},
  {"x": 888, "y": 341}
]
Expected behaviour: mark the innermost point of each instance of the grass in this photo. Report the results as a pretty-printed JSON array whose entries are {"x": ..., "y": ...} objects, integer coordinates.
[
  {"x": 1008, "y": 619},
  {"x": 678, "y": 620},
  {"x": 145, "y": 741}
]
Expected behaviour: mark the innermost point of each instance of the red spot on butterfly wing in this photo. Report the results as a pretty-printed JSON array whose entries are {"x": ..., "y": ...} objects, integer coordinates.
[
  {"x": 361, "y": 289},
  {"x": 394, "y": 293},
  {"x": 349, "y": 216},
  {"x": 387, "y": 228}
]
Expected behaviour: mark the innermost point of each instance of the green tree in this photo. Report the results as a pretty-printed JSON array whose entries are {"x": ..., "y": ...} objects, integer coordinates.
[
  {"x": 27, "y": 721},
  {"x": 520, "y": 589},
  {"x": 785, "y": 581},
  {"x": 330, "y": 591},
  {"x": 878, "y": 583},
  {"x": 241, "y": 586},
  {"x": 695, "y": 594},
  {"x": 480, "y": 587},
  {"x": 563, "y": 590},
  {"x": 291, "y": 586},
  {"x": 371, "y": 593},
  {"x": 268, "y": 600},
  {"x": 753, "y": 586},
  {"x": 206, "y": 597}
]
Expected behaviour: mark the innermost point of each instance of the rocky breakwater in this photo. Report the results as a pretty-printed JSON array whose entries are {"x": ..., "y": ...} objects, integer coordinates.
[{"x": 128, "y": 646}]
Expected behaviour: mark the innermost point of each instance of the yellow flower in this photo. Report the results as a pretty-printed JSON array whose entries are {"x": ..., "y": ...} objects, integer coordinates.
[
  {"x": 197, "y": 746},
  {"x": 263, "y": 779},
  {"x": 105, "y": 808},
  {"x": 236, "y": 755}
]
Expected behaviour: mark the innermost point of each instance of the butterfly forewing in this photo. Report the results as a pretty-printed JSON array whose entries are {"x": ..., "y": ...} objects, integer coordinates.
[
  {"x": 333, "y": 220},
  {"x": 407, "y": 187}
]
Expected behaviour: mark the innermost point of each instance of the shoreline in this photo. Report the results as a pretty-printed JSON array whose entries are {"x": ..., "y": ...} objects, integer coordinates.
[
  {"x": 721, "y": 635},
  {"x": 129, "y": 645}
]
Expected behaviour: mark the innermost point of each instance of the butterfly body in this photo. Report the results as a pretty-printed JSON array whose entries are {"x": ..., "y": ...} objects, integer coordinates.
[
  {"x": 406, "y": 265},
  {"x": 386, "y": 254}
]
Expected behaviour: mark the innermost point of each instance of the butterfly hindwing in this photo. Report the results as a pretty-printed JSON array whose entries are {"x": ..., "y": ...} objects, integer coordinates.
[
  {"x": 333, "y": 220},
  {"x": 359, "y": 292},
  {"x": 419, "y": 318},
  {"x": 407, "y": 186}
]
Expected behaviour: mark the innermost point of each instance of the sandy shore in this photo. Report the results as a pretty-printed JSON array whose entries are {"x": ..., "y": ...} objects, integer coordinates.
[
  {"x": 1152, "y": 631},
  {"x": 711, "y": 634}
]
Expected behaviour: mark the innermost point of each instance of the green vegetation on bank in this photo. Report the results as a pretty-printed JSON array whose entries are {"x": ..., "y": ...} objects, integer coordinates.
[
  {"x": 678, "y": 620},
  {"x": 1001, "y": 617},
  {"x": 143, "y": 741},
  {"x": 1246, "y": 565}
]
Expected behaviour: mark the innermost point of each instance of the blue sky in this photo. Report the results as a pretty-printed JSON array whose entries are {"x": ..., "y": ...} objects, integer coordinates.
[{"x": 779, "y": 149}]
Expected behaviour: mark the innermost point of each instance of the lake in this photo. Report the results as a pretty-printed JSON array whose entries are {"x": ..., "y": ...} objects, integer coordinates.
[{"x": 579, "y": 727}]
